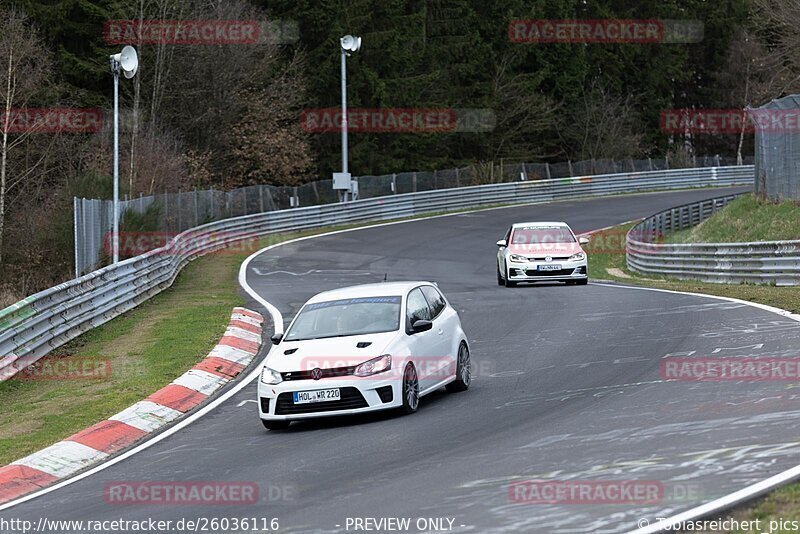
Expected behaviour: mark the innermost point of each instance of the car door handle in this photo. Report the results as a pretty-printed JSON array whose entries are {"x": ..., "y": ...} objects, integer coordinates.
[{"x": 440, "y": 332}]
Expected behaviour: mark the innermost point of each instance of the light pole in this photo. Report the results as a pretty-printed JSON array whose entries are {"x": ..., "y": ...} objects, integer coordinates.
[
  {"x": 342, "y": 180},
  {"x": 126, "y": 62}
]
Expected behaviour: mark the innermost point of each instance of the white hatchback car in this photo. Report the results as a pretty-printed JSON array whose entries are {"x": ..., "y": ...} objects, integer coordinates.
[
  {"x": 541, "y": 251},
  {"x": 364, "y": 348}
]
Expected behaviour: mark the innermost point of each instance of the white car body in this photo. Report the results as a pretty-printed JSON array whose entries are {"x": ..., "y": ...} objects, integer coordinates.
[
  {"x": 434, "y": 353},
  {"x": 541, "y": 252}
]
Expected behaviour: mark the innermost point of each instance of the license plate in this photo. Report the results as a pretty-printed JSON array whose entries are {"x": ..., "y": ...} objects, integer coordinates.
[
  {"x": 319, "y": 395},
  {"x": 549, "y": 267}
]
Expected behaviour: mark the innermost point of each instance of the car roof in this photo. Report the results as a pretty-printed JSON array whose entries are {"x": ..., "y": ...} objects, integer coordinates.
[
  {"x": 381, "y": 289},
  {"x": 540, "y": 223}
]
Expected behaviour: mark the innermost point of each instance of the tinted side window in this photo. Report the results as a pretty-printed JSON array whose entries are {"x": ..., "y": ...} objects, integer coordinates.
[
  {"x": 417, "y": 307},
  {"x": 435, "y": 299}
]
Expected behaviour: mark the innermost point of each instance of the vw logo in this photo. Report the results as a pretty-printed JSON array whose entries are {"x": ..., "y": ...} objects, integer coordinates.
[
  {"x": 548, "y": 258},
  {"x": 316, "y": 374}
]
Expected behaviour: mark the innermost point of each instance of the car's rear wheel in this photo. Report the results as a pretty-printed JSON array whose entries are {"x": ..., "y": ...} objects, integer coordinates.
[
  {"x": 463, "y": 371},
  {"x": 275, "y": 424},
  {"x": 410, "y": 390}
]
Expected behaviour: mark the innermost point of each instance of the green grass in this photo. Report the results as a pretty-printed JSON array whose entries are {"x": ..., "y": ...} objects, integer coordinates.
[
  {"x": 745, "y": 219},
  {"x": 600, "y": 261},
  {"x": 146, "y": 348},
  {"x": 783, "y": 503}
]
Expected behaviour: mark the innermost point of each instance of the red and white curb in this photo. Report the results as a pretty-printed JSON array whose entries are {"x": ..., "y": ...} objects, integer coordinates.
[{"x": 239, "y": 345}]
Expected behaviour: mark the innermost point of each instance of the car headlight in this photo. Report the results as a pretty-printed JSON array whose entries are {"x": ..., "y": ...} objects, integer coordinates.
[
  {"x": 517, "y": 258},
  {"x": 374, "y": 366},
  {"x": 270, "y": 376},
  {"x": 578, "y": 257}
]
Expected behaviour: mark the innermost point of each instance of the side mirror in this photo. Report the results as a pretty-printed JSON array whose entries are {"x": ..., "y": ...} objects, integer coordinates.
[
  {"x": 502, "y": 243},
  {"x": 276, "y": 338},
  {"x": 583, "y": 240},
  {"x": 421, "y": 325}
]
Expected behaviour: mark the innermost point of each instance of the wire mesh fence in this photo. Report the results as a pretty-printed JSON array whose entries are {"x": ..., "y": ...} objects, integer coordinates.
[
  {"x": 777, "y": 149},
  {"x": 169, "y": 214}
]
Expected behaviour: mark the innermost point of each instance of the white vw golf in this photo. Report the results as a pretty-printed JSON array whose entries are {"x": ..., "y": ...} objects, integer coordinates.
[
  {"x": 363, "y": 348},
  {"x": 541, "y": 251}
]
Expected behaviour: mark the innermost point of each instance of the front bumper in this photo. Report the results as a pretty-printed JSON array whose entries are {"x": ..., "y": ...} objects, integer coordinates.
[
  {"x": 358, "y": 395},
  {"x": 529, "y": 271}
]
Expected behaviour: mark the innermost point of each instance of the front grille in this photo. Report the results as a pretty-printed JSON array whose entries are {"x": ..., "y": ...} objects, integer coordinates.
[
  {"x": 560, "y": 272},
  {"x": 554, "y": 258},
  {"x": 264, "y": 405},
  {"x": 351, "y": 399},
  {"x": 325, "y": 373},
  {"x": 385, "y": 393}
]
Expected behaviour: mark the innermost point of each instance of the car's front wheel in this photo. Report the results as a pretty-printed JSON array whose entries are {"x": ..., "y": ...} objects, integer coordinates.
[
  {"x": 583, "y": 282},
  {"x": 463, "y": 371},
  {"x": 275, "y": 424},
  {"x": 500, "y": 281},
  {"x": 410, "y": 390}
]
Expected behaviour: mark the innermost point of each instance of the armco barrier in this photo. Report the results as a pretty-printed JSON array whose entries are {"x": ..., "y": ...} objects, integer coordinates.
[
  {"x": 42, "y": 322},
  {"x": 773, "y": 262}
]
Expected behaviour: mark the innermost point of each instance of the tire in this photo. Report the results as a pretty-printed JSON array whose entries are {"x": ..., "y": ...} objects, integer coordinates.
[
  {"x": 583, "y": 282},
  {"x": 410, "y": 390},
  {"x": 509, "y": 283},
  {"x": 275, "y": 425},
  {"x": 500, "y": 281},
  {"x": 463, "y": 371}
]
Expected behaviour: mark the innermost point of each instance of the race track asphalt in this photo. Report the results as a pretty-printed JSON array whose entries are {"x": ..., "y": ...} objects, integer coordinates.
[{"x": 567, "y": 388}]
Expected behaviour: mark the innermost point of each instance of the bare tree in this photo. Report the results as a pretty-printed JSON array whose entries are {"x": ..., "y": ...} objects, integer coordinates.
[
  {"x": 601, "y": 125},
  {"x": 267, "y": 144},
  {"x": 746, "y": 77},
  {"x": 776, "y": 23},
  {"x": 523, "y": 115},
  {"x": 25, "y": 66}
]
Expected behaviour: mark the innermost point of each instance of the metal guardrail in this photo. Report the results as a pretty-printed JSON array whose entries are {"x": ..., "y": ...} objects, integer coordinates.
[
  {"x": 42, "y": 322},
  {"x": 770, "y": 262}
]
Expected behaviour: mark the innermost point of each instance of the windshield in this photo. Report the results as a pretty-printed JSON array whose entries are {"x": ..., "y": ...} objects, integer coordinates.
[
  {"x": 346, "y": 317},
  {"x": 541, "y": 235}
]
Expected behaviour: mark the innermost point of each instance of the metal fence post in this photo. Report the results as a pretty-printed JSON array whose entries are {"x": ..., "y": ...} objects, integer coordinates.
[
  {"x": 75, "y": 232},
  {"x": 547, "y": 169}
]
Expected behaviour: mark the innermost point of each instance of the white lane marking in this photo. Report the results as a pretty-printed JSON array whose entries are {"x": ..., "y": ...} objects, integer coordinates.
[
  {"x": 246, "y": 401},
  {"x": 277, "y": 321},
  {"x": 748, "y": 492},
  {"x": 261, "y": 272},
  {"x": 232, "y": 354},
  {"x": 146, "y": 415},
  {"x": 201, "y": 381},
  {"x": 62, "y": 459},
  {"x": 235, "y": 331}
]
